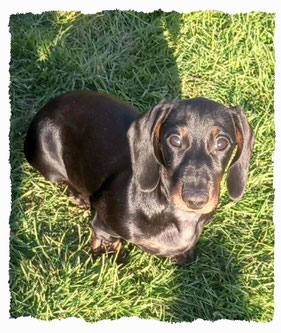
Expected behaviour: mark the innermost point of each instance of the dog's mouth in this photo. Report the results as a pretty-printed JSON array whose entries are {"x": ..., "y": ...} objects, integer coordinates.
[{"x": 201, "y": 202}]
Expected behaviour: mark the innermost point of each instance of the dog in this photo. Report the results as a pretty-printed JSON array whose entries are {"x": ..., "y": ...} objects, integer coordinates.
[{"x": 152, "y": 179}]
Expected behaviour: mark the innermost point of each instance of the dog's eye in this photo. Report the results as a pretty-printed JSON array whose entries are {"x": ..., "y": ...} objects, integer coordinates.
[
  {"x": 222, "y": 143},
  {"x": 175, "y": 140}
]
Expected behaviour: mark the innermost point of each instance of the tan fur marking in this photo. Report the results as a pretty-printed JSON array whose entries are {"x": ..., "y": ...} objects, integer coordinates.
[
  {"x": 239, "y": 139},
  {"x": 117, "y": 245},
  {"x": 96, "y": 243},
  {"x": 215, "y": 131},
  {"x": 148, "y": 245},
  {"x": 157, "y": 131},
  {"x": 183, "y": 131}
]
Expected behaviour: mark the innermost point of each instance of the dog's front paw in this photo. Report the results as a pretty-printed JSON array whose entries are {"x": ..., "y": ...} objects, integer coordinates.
[
  {"x": 81, "y": 199},
  {"x": 185, "y": 258},
  {"x": 100, "y": 247}
]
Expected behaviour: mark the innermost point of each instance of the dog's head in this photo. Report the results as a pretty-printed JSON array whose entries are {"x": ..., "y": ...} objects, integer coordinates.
[{"x": 189, "y": 144}]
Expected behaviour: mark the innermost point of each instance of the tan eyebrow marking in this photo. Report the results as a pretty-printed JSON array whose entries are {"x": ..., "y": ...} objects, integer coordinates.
[
  {"x": 183, "y": 131},
  {"x": 215, "y": 131}
]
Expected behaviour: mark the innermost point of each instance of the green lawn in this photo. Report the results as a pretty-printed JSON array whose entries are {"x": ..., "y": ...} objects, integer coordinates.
[{"x": 142, "y": 58}]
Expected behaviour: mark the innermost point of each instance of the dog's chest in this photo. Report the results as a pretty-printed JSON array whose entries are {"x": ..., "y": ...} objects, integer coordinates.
[{"x": 170, "y": 234}]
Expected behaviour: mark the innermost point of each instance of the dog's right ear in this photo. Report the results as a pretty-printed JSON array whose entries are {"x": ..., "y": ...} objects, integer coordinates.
[{"x": 142, "y": 135}]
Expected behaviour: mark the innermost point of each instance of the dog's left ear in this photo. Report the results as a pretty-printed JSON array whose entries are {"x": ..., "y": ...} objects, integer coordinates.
[
  {"x": 238, "y": 170},
  {"x": 142, "y": 135}
]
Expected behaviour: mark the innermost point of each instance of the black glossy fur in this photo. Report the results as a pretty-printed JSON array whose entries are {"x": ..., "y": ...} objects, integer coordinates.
[{"x": 144, "y": 187}]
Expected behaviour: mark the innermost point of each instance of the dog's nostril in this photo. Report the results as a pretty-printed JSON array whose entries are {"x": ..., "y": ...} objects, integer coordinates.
[{"x": 195, "y": 199}]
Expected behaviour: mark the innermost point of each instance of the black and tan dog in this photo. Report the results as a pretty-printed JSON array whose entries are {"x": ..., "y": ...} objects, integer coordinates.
[{"x": 152, "y": 179}]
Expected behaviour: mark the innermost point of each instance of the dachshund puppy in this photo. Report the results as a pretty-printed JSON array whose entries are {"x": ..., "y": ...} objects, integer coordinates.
[{"x": 152, "y": 179}]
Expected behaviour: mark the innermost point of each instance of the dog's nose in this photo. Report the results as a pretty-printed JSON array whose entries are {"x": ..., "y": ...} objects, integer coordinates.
[{"x": 194, "y": 198}]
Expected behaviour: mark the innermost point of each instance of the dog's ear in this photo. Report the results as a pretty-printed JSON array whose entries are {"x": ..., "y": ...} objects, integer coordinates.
[
  {"x": 142, "y": 135},
  {"x": 238, "y": 170}
]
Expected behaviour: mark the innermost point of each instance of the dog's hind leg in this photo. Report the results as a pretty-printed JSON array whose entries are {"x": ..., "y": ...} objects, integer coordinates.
[{"x": 54, "y": 151}]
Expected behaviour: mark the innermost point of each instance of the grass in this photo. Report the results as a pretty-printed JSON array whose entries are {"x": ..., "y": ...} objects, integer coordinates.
[{"x": 142, "y": 58}]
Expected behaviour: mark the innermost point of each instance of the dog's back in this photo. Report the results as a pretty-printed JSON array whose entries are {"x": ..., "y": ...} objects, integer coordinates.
[{"x": 73, "y": 137}]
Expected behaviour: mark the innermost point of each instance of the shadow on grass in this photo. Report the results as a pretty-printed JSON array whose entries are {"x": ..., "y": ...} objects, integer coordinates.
[
  {"x": 125, "y": 54},
  {"x": 210, "y": 288}
]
